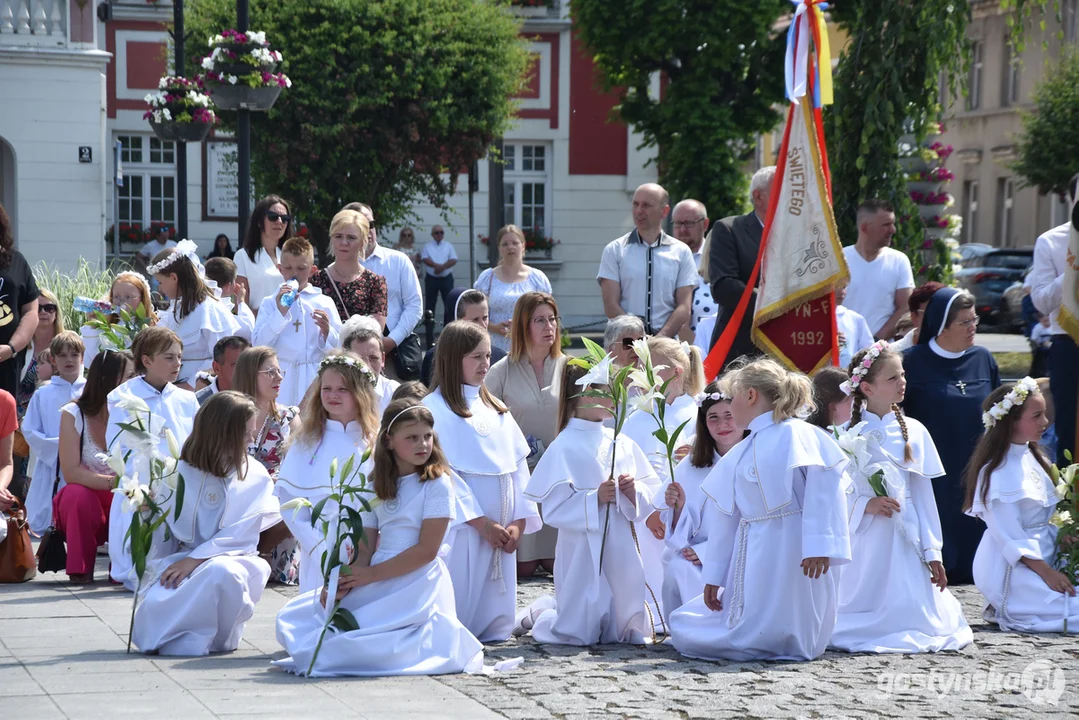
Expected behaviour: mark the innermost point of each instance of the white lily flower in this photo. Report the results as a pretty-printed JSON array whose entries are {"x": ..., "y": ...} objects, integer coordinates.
[
  {"x": 1062, "y": 490},
  {"x": 174, "y": 447},
  {"x": 115, "y": 461},
  {"x": 639, "y": 379},
  {"x": 134, "y": 494},
  {"x": 295, "y": 505},
  {"x": 1061, "y": 518},
  {"x": 646, "y": 402},
  {"x": 129, "y": 401},
  {"x": 600, "y": 374},
  {"x": 640, "y": 349}
]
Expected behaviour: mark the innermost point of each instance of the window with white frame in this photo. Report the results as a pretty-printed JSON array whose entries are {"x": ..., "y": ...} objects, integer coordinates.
[
  {"x": 1005, "y": 203},
  {"x": 970, "y": 211},
  {"x": 526, "y": 185},
  {"x": 148, "y": 194},
  {"x": 974, "y": 91}
]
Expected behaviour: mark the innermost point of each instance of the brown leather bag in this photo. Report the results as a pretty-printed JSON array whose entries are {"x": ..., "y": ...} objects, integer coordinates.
[{"x": 17, "y": 562}]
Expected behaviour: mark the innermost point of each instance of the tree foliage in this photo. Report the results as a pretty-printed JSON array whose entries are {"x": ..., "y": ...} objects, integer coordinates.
[
  {"x": 1048, "y": 148},
  {"x": 387, "y": 96},
  {"x": 723, "y": 66},
  {"x": 887, "y": 84}
]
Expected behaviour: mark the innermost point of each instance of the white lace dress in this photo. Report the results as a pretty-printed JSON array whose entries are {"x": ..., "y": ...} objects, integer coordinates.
[{"x": 407, "y": 624}]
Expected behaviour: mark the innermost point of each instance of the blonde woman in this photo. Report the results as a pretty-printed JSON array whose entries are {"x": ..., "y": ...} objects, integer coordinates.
[
  {"x": 507, "y": 281},
  {"x": 527, "y": 382},
  {"x": 353, "y": 288},
  {"x": 36, "y": 369}
]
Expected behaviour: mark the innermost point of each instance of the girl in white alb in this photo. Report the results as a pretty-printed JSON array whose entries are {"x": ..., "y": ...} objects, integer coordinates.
[
  {"x": 681, "y": 366},
  {"x": 893, "y": 595},
  {"x": 196, "y": 315},
  {"x": 172, "y": 409},
  {"x": 1008, "y": 486},
  {"x": 337, "y": 421},
  {"x": 203, "y": 581},
  {"x": 487, "y": 450},
  {"x": 777, "y": 522},
  {"x": 400, "y": 593},
  {"x": 598, "y": 575},
  {"x": 686, "y": 531}
]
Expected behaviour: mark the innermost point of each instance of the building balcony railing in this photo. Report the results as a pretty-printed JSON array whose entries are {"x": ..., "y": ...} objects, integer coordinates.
[
  {"x": 35, "y": 23},
  {"x": 536, "y": 8}
]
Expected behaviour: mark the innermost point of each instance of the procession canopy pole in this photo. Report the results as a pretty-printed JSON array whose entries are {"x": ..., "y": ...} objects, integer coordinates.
[
  {"x": 243, "y": 145},
  {"x": 181, "y": 145}
]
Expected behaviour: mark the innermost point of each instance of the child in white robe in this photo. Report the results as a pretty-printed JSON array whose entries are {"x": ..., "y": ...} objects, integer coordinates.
[
  {"x": 129, "y": 291},
  {"x": 197, "y": 317},
  {"x": 595, "y": 601},
  {"x": 893, "y": 595},
  {"x": 484, "y": 446},
  {"x": 41, "y": 427},
  {"x": 686, "y": 375},
  {"x": 337, "y": 421},
  {"x": 686, "y": 537},
  {"x": 157, "y": 351},
  {"x": 222, "y": 271},
  {"x": 303, "y": 333},
  {"x": 1008, "y": 486},
  {"x": 362, "y": 336},
  {"x": 776, "y": 517},
  {"x": 401, "y": 594},
  {"x": 203, "y": 582}
]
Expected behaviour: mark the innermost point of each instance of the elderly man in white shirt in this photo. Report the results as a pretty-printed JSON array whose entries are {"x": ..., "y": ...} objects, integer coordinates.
[
  {"x": 404, "y": 300},
  {"x": 647, "y": 272},
  {"x": 1046, "y": 291}
]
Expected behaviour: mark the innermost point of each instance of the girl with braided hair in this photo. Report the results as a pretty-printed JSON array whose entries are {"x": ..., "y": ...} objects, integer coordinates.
[{"x": 887, "y": 599}]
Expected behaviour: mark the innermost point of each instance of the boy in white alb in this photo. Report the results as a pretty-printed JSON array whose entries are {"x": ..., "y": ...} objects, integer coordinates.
[
  {"x": 881, "y": 279},
  {"x": 854, "y": 333},
  {"x": 302, "y": 333},
  {"x": 41, "y": 426},
  {"x": 223, "y": 272}
]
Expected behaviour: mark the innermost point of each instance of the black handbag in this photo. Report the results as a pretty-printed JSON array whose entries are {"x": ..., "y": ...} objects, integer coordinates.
[
  {"x": 52, "y": 550},
  {"x": 408, "y": 358}
]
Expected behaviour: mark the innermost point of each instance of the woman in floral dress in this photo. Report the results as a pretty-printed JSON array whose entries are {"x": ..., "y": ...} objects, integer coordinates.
[{"x": 258, "y": 375}]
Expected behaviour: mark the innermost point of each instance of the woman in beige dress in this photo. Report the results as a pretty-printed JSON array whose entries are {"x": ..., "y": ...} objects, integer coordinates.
[{"x": 526, "y": 380}]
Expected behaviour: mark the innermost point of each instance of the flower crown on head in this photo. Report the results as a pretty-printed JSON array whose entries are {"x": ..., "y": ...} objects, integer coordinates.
[
  {"x": 184, "y": 248},
  {"x": 1015, "y": 398},
  {"x": 701, "y": 397},
  {"x": 352, "y": 362},
  {"x": 862, "y": 370},
  {"x": 136, "y": 273}
]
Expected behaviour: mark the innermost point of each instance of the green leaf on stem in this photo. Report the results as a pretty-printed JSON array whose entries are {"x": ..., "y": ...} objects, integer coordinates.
[
  {"x": 179, "y": 496},
  {"x": 344, "y": 620}
]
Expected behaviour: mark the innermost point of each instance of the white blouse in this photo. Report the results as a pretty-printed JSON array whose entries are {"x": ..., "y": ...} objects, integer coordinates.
[{"x": 263, "y": 277}]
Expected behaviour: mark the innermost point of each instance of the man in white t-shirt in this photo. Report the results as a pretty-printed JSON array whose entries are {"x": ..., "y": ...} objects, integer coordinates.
[
  {"x": 881, "y": 279},
  {"x": 152, "y": 247},
  {"x": 438, "y": 257}
]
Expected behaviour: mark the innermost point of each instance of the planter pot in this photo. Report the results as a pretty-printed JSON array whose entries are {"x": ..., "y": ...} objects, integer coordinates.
[
  {"x": 914, "y": 164},
  {"x": 238, "y": 68},
  {"x": 244, "y": 97},
  {"x": 937, "y": 233},
  {"x": 928, "y": 211},
  {"x": 913, "y": 185},
  {"x": 180, "y": 132},
  {"x": 538, "y": 254}
]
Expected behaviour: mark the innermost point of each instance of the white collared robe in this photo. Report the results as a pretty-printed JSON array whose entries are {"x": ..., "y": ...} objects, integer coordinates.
[
  {"x": 219, "y": 523},
  {"x": 489, "y": 454},
  {"x": 199, "y": 331},
  {"x": 640, "y": 427},
  {"x": 591, "y": 606},
  {"x": 1016, "y": 511},
  {"x": 305, "y": 473},
  {"x": 41, "y": 428},
  {"x": 775, "y": 499},
  {"x": 176, "y": 408},
  {"x": 407, "y": 624},
  {"x": 887, "y": 603},
  {"x": 384, "y": 390},
  {"x": 296, "y": 338},
  {"x": 681, "y": 578}
]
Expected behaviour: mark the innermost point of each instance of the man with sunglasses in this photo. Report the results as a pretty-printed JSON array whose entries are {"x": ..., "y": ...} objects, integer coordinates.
[
  {"x": 438, "y": 257},
  {"x": 690, "y": 221},
  {"x": 153, "y": 246}
]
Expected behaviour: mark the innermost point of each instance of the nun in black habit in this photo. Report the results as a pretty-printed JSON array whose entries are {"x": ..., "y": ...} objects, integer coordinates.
[{"x": 948, "y": 377}]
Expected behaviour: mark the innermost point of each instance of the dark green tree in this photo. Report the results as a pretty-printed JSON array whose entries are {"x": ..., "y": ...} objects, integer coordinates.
[
  {"x": 887, "y": 84},
  {"x": 1048, "y": 147},
  {"x": 387, "y": 96},
  {"x": 723, "y": 68}
]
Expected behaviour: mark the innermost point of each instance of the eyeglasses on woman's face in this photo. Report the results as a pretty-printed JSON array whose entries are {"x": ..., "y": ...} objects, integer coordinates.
[
  {"x": 273, "y": 373},
  {"x": 47, "y": 309},
  {"x": 627, "y": 342},
  {"x": 274, "y": 216},
  {"x": 545, "y": 321}
]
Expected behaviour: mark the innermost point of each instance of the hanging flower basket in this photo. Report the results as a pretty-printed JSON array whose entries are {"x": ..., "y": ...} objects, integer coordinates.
[
  {"x": 243, "y": 97},
  {"x": 928, "y": 212},
  {"x": 914, "y": 186},
  {"x": 180, "y": 111},
  {"x": 180, "y": 132}
]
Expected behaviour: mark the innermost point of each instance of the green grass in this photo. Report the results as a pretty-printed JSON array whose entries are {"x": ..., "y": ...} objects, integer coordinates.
[
  {"x": 87, "y": 281},
  {"x": 1013, "y": 364}
]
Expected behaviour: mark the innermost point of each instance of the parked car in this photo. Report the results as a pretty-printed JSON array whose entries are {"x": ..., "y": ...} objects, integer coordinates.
[
  {"x": 1011, "y": 306},
  {"x": 988, "y": 275},
  {"x": 971, "y": 251}
]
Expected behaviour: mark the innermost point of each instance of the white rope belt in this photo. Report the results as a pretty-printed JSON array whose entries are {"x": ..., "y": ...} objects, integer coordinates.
[
  {"x": 740, "y": 562},
  {"x": 503, "y": 519}
]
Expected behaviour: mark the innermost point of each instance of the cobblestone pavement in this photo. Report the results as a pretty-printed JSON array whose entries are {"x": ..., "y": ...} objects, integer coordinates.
[{"x": 656, "y": 683}]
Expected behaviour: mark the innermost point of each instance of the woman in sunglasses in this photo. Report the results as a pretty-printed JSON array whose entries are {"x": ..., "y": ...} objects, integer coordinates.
[
  {"x": 256, "y": 263},
  {"x": 35, "y": 370},
  {"x": 406, "y": 243}
]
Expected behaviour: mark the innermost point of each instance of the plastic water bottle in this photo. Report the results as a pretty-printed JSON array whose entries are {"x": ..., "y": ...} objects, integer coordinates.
[
  {"x": 290, "y": 297},
  {"x": 86, "y": 305}
]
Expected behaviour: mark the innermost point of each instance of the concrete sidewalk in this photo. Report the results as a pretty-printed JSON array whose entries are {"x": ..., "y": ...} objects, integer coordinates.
[{"x": 62, "y": 655}]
